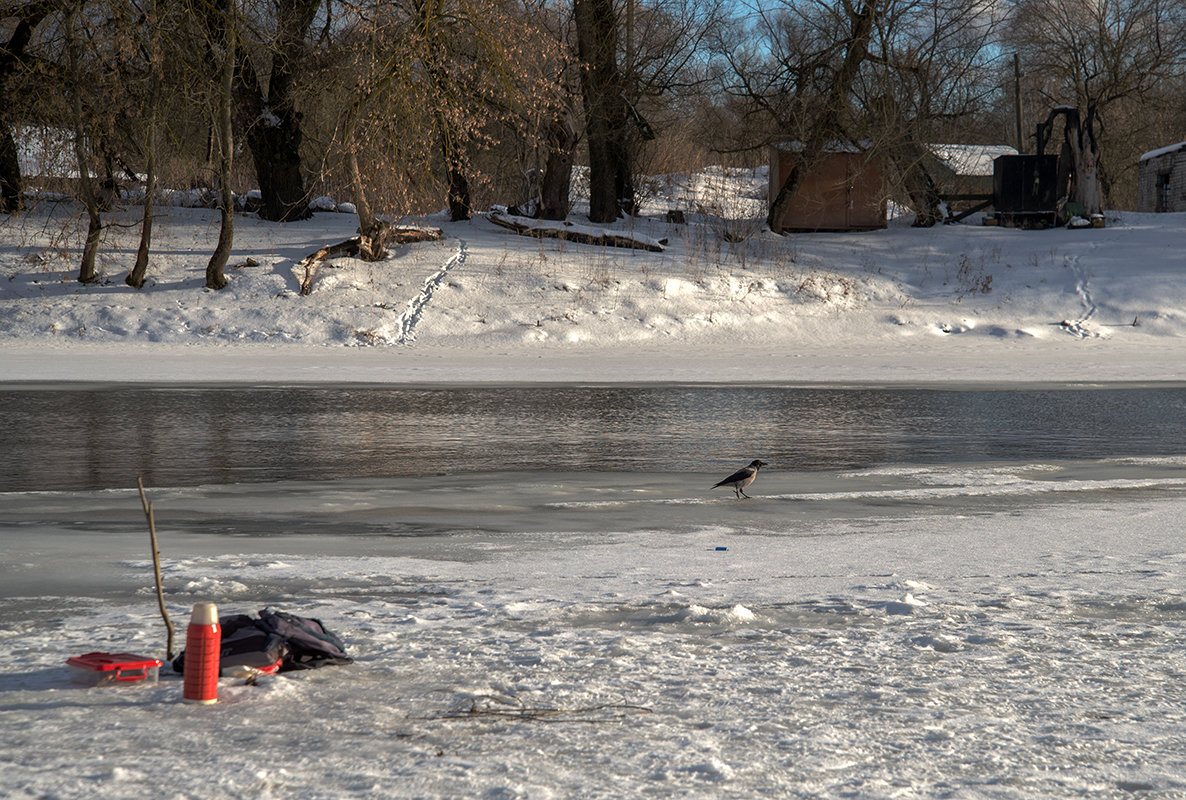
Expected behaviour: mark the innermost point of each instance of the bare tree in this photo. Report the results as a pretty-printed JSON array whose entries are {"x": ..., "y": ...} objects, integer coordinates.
[
  {"x": 828, "y": 123},
  {"x": 611, "y": 184},
  {"x": 554, "y": 150},
  {"x": 86, "y": 188},
  {"x": 268, "y": 116},
  {"x": 22, "y": 19},
  {"x": 666, "y": 70},
  {"x": 428, "y": 85},
  {"x": 790, "y": 76},
  {"x": 153, "y": 60},
  {"x": 560, "y": 142},
  {"x": 1108, "y": 59},
  {"x": 884, "y": 76},
  {"x": 374, "y": 53},
  {"x": 931, "y": 76},
  {"x": 222, "y": 18},
  {"x": 431, "y": 18}
]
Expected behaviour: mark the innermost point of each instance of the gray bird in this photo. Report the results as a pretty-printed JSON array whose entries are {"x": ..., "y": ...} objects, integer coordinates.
[{"x": 742, "y": 478}]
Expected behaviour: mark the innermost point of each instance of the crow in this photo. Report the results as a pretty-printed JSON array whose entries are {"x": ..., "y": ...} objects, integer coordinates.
[{"x": 742, "y": 478}]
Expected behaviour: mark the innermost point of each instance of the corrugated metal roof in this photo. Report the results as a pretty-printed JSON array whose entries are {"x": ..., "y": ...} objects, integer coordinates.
[{"x": 970, "y": 159}]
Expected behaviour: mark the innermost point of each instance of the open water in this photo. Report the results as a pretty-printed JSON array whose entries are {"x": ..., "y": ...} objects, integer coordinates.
[{"x": 104, "y": 437}]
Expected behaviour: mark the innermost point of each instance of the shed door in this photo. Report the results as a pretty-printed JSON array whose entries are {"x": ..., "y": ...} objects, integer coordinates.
[{"x": 864, "y": 208}]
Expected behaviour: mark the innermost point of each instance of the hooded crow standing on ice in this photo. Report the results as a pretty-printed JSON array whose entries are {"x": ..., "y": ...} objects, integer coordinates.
[{"x": 742, "y": 478}]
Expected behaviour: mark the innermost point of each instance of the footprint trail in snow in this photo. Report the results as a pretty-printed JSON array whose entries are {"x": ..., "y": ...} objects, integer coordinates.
[
  {"x": 415, "y": 308},
  {"x": 1079, "y": 327}
]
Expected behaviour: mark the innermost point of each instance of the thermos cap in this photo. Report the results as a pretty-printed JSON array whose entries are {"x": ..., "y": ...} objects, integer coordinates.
[{"x": 204, "y": 614}]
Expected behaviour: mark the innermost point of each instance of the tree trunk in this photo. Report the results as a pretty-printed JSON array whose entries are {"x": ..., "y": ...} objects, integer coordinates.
[
  {"x": 12, "y": 59},
  {"x": 460, "y": 204},
  {"x": 910, "y": 158},
  {"x": 786, "y": 194},
  {"x": 270, "y": 121},
  {"x": 86, "y": 189},
  {"x": 610, "y": 181},
  {"x": 924, "y": 196},
  {"x": 276, "y": 154},
  {"x": 109, "y": 186},
  {"x": 1086, "y": 160},
  {"x": 272, "y": 131},
  {"x": 86, "y": 268},
  {"x": 826, "y": 126},
  {"x": 430, "y": 21},
  {"x": 216, "y": 268},
  {"x": 603, "y": 203},
  {"x": 370, "y": 229},
  {"x": 459, "y": 195},
  {"x": 11, "y": 199},
  {"x": 557, "y": 180},
  {"x": 135, "y": 278}
]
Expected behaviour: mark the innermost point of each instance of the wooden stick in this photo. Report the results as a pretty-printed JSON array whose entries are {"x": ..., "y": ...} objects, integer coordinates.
[{"x": 156, "y": 567}]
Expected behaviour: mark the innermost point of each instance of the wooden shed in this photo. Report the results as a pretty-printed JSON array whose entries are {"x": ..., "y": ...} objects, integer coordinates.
[
  {"x": 1161, "y": 179},
  {"x": 844, "y": 191}
]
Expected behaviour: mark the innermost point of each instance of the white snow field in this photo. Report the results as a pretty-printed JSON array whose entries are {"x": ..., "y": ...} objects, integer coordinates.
[
  {"x": 992, "y": 629},
  {"x": 961, "y": 302}
]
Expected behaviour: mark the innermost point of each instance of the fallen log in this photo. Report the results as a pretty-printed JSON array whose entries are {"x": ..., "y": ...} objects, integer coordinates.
[
  {"x": 525, "y": 226},
  {"x": 311, "y": 262},
  {"x": 352, "y": 246}
]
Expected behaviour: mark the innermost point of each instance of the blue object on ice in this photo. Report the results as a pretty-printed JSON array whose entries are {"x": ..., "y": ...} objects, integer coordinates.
[{"x": 719, "y": 549}]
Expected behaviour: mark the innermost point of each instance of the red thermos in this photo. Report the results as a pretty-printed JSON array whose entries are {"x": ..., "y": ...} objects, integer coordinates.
[{"x": 203, "y": 640}]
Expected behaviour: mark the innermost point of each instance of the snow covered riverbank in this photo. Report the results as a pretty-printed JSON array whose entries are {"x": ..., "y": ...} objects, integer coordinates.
[{"x": 964, "y": 303}]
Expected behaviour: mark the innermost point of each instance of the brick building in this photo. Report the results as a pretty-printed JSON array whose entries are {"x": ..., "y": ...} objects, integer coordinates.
[{"x": 1161, "y": 179}]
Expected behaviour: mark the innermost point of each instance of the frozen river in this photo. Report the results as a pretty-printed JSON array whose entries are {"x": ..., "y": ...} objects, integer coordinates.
[{"x": 933, "y": 593}]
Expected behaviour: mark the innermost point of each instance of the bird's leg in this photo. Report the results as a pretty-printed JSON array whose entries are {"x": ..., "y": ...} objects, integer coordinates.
[{"x": 743, "y": 494}]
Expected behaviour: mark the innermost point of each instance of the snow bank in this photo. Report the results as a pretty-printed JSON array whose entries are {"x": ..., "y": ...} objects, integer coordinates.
[{"x": 952, "y": 303}]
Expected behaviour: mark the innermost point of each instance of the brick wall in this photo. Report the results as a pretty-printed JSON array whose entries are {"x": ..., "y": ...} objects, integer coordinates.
[{"x": 1151, "y": 182}]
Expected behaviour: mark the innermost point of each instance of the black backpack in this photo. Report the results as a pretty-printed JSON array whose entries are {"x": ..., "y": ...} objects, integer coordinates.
[
  {"x": 310, "y": 645},
  {"x": 296, "y": 642}
]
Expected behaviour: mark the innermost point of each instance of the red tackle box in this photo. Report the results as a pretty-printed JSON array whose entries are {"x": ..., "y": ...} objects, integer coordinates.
[{"x": 100, "y": 668}]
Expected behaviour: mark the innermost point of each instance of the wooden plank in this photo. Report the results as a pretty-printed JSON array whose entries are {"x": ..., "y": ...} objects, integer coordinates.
[{"x": 970, "y": 211}]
